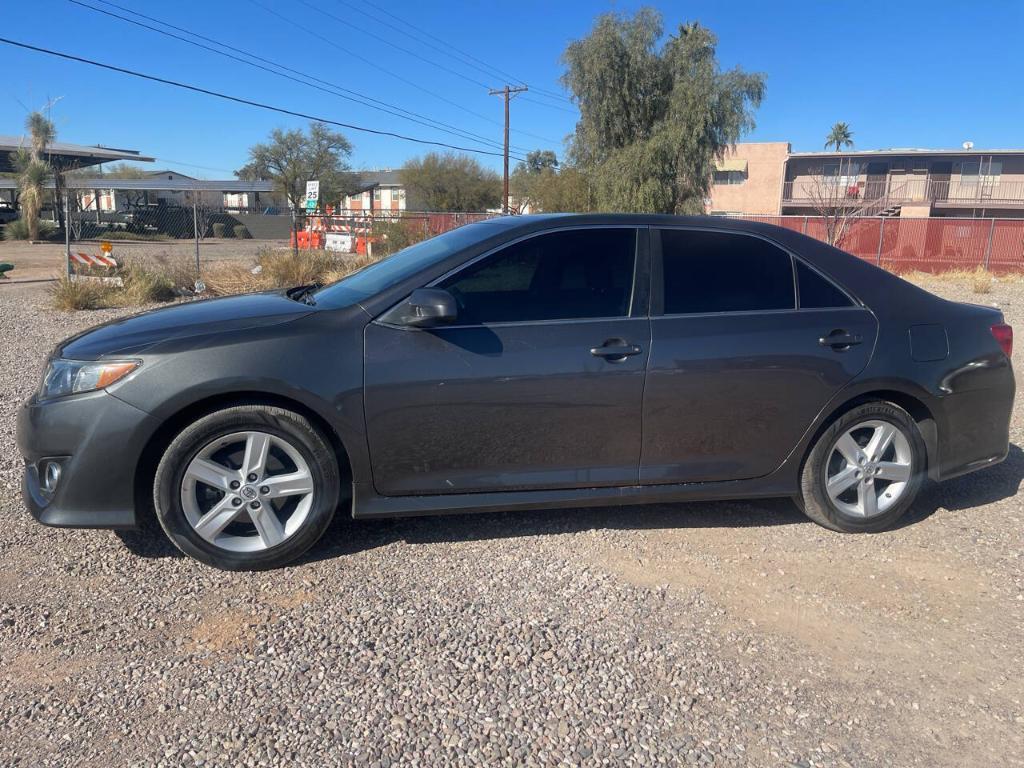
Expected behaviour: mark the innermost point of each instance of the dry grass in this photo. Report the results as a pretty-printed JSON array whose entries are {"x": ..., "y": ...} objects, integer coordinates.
[
  {"x": 69, "y": 295},
  {"x": 148, "y": 280},
  {"x": 281, "y": 269},
  {"x": 979, "y": 279}
]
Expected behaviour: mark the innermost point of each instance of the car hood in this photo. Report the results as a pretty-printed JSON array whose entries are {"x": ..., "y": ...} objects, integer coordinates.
[{"x": 134, "y": 335}]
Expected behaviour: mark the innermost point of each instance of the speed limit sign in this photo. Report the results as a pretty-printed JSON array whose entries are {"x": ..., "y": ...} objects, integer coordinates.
[{"x": 312, "y": 194}]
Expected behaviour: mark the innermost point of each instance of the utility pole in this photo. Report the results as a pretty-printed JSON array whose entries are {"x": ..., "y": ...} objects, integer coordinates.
[{"x": 507, "y": 92}]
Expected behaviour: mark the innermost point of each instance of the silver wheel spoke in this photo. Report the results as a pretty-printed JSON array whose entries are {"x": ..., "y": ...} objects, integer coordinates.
[
  {"x": 257, "y": 446},
  {"x": 217, "y": 519},
  {"x": 880, "y": 440},
  {"x": 212, "y": 474},
  {"x": 894, "y": 471},
  {"x": 267, "y": 525},
  {"x": 292, "y": 484},
  {"x": 842, "y": 481},
  {"x": 848, "y": 447},
  {"x": 867, "y": 500}
]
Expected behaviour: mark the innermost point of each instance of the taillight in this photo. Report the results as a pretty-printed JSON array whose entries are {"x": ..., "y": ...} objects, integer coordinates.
[{"x": 1004, "y": 335}]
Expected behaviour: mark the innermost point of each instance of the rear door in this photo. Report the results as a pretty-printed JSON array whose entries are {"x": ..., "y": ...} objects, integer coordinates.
[
  {"x": 738, "y": 368},
  {"x": 538, "y": 383}
]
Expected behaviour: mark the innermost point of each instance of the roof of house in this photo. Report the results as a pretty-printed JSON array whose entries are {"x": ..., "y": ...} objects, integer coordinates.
[
  {"x": 157, "y": 185},
  {"x": 62, "y": 153},
  {"x": 903, "y": 151},
  {"x": 382, "y": 178}
]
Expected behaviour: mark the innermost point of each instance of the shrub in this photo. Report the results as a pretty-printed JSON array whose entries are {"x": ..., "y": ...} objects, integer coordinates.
[
  {"x": 391, "y": 236},
  {"x": 218, "y": 228},
  {"x": 225, "y": 279},
  {"x": 981, "y": 281},
  {"x": 18, "y": 230},
  {"x": 68, "y": 294},
  {"x": 241, "y": 231},
  {"x": 143, "y": 285},
  {"x": 282, "y": 268}
]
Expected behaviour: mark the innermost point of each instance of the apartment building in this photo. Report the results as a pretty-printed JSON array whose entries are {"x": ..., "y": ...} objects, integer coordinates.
[{"x": 885, "y": 182}]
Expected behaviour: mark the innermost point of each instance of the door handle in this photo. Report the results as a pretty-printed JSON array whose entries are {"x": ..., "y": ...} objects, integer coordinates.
[
  {"x": 615, "y": 350},
  {"x": 840, "y": 340}
]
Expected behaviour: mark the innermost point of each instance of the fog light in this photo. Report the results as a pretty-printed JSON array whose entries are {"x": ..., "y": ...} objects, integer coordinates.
[{"x": 50, "y": 476}]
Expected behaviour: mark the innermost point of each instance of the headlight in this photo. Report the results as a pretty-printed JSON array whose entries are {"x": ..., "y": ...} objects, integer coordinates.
[{"x": 68, "y": 377}]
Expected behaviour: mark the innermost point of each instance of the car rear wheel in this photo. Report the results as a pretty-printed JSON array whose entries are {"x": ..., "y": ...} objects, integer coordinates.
[
  {"x": 865, "y": 470},
  {"x": 247, "y": 488}
]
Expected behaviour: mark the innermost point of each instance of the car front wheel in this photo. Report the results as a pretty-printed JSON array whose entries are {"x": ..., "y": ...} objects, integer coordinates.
[
  {"x": 247, "y": 488},
  {"x": 865, "y": 470}
]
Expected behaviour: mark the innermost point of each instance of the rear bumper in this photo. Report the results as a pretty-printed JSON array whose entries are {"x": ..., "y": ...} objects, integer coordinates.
[
  {"x": 974, "y": 424},
  {"x": 97, "y": 440}
]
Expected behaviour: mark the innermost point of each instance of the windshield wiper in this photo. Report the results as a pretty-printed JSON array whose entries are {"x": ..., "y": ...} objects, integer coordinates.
[{"x": 303, "y": 293}]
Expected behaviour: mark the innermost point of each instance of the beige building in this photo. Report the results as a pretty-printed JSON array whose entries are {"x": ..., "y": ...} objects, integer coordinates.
[
  {"x": 767, "y": 178},
  {"x": 910, "y": 182},
  {"x": 749, "y": 179}
]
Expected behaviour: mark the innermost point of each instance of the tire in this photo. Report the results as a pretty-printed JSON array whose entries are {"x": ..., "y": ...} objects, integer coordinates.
[
  {"x": 204, "y": 469},
  {"x": 851, "y": 511}
]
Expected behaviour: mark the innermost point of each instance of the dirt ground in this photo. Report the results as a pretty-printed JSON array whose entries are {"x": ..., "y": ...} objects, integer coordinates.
[
  {"x": 41, "y": 261},
  {"x": 732, "y": 633}
]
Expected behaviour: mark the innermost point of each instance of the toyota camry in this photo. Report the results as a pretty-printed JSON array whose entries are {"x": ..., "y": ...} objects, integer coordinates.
[{"x": 518, "y": 363}]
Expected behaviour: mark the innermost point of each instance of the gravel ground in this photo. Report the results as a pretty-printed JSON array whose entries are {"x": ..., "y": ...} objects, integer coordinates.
[{"x": 700, "y": 634}]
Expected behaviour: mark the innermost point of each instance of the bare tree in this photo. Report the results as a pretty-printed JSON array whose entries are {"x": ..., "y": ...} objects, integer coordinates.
[{"x": 838, "y": 201}]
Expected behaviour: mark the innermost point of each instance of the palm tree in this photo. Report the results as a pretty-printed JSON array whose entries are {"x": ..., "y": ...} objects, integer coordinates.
[
  {"x": 840, "y": 136},
  {"x": 33, "y": 170}
]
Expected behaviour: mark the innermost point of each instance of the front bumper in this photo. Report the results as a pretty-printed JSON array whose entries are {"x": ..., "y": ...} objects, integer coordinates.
[{"x": 98, "y": 439}]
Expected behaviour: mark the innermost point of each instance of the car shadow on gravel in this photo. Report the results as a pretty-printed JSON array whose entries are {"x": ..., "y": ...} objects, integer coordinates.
[
  {"x": 967, "y": 492},
  {"x": 346, "y": 536}
]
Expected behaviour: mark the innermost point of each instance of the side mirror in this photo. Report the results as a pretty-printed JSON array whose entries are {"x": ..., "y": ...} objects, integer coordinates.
[{"x": 428, "y": 307}]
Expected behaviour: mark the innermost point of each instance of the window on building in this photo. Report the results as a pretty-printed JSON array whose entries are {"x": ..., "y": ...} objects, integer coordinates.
[
  {"x": 376, "y": 194},
  {"x": 844, "y": 173},
  {"x": 729, "y": 177},
  {"x": 816, "y": 292},
  {"x": 723, "y": 272},
  {"x": 973, "y": 170},
  {"x": 580, "y": 273}
]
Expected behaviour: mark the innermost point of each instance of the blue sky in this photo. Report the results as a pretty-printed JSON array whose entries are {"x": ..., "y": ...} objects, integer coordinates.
[{"x": 926, "y": 74}]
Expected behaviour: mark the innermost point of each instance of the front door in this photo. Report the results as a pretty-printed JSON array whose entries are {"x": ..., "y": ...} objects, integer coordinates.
[
  {"x": 938, "y": 180},
  {"x": 875, "y": 187},
  {"x": 537, "y": 384},
  {"x": 738, "y": 368}
]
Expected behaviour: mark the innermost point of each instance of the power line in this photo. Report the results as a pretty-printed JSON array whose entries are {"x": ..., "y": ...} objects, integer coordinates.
[
  {"x": 374, "y": 35},
  {"x": 388, "y": 72},
  {"x": 445, "y": 48},
  {"x": 358, "y": 97},
  {"x": 448, "y": 49},
  {"x": 247, "y": 102}
]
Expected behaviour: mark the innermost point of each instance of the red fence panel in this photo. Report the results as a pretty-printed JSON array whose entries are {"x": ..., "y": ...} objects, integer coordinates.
[
  {"x": 923, "y": 245},
  {"x": 1006, "y": 253}
]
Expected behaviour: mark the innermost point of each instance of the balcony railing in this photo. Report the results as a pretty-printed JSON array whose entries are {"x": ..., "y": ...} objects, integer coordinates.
[{"x": 902, "y": 190}]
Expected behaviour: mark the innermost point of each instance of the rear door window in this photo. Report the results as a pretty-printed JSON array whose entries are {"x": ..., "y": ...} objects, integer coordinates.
[
  {"x": 816, "y": 292},
  {"x": 706, "y": 272}
]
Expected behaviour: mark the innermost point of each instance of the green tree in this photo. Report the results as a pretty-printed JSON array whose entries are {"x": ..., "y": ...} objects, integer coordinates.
[
  {"x": 451, "y": 182},
  {"x": 538, "y": 160},
  {"x": 33, "y": 170},
  {"x": 654, "y": 120},
  {"x": 840, "y": 136},
  {"x": 291, "y": 158},
  {"x": 125, "y": 171}
]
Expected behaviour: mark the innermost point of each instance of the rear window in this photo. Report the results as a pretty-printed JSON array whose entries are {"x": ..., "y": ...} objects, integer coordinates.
[
  {"x": 706, "y": 272},
  {"x": 816, "y": 292}
]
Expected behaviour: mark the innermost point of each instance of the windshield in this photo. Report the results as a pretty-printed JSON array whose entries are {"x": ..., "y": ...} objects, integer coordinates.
[{"x": 393, "y": 269}]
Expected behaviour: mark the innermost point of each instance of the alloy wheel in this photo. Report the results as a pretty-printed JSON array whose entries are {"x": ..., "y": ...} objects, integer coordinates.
[
  {"x": 247, "y": 491},
  {"x": 869, "y": 468}
]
